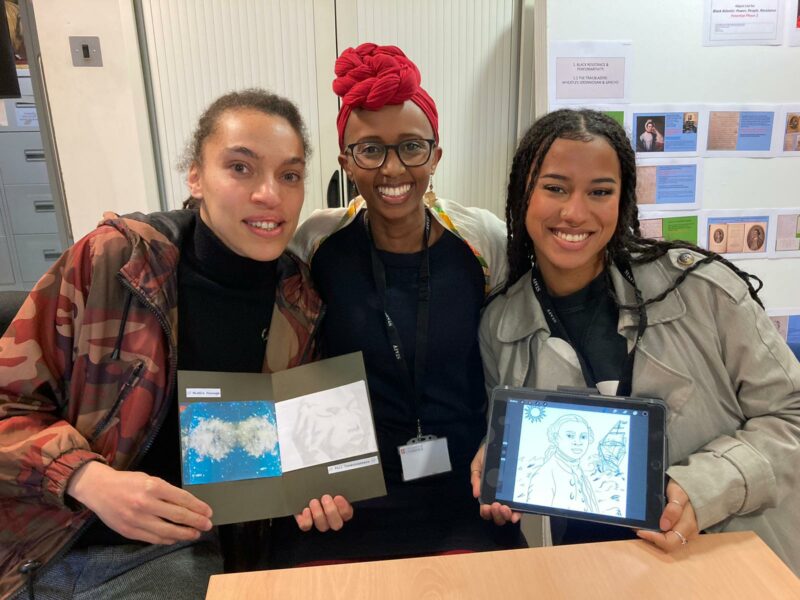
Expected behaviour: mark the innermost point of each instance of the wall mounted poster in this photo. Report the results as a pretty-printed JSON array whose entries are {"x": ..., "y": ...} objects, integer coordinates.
[
  {"x": 667, "y": 130},
  {"x": 787, "y": 322},
  {"x": 257, "y": 446},
  {"x": 743, "y": 23},
  {"x": 745, "y": 130},
  {"x": 793, "y": 23},
  {"x": 668, "y": 184},
  {"x": 669, "y": 226},
  {"x": 786, "y": 223},
  {"x": 788, "y": 131},
  {"x": 586, "y": 72},
  {"x": 737, "y": 233}
]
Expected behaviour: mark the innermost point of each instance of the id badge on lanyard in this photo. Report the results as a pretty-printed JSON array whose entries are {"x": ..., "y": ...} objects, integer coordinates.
[{"x": 423, "y": 455}]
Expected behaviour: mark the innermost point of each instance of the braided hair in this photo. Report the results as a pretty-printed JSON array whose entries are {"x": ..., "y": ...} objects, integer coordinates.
[{"x": 627, "y": 243}]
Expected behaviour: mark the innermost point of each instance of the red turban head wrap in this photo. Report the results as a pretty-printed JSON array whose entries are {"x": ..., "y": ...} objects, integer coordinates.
[{"x": 372, "y": 76}]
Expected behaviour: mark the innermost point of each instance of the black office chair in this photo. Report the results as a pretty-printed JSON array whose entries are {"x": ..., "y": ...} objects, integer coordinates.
[{"x": 10, "y": 302}]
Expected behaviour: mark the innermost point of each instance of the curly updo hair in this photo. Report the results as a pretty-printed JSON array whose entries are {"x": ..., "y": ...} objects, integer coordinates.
[
  {"x": 256, "y": 99},
  {"x": 627, "y": 243}
]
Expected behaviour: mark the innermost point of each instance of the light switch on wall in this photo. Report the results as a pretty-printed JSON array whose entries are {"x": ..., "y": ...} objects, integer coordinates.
[{"x": 85, "y": 51}]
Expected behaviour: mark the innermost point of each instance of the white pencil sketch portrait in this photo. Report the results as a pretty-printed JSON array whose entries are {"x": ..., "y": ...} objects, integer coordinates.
[
  {"x": 325, "y": 426},
  {"x": 573, "y": 461}
]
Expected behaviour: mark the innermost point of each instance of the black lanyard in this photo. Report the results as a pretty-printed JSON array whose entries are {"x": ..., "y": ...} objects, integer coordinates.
[
  {"x": 557, "y": 327},
  {"x": 423, "y": 312}
]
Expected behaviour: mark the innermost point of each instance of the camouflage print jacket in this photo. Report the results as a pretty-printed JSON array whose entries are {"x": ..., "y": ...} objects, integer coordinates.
[{"x": 88, "y": 366}]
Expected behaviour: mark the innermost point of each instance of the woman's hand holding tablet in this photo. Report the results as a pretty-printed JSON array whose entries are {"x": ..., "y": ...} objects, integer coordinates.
[
  {"x": 577, "y": 455},
  {"x": 678, "y": 523}
]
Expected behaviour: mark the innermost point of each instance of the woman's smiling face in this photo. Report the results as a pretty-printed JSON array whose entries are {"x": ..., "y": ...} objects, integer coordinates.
[
  {"x": 573, "y": 211},
  {"x": 393, "y": 191},
  {"x": 250, "y": 182}
]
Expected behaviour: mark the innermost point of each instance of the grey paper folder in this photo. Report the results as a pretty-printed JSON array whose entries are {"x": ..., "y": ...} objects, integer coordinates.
[{"x": 257, "y": 446}]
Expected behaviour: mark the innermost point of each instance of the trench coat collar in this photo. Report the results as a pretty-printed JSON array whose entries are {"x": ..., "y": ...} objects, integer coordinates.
[{"x": 522, "y": 316}]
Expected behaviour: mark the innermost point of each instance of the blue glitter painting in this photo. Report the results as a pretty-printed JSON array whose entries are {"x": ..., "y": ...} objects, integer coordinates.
[{"x": 228, "y": 441}]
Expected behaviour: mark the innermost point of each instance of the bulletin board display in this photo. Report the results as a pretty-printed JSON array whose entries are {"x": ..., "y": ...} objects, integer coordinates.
[{"x": 671, "y": 67}]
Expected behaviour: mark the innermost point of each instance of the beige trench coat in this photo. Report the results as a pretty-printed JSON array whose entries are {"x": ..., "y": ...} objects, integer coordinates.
[{"x": 731, "y": 383}]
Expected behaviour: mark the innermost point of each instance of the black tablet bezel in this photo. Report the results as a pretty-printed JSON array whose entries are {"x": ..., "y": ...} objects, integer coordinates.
[{"x": 655, "y": 463}]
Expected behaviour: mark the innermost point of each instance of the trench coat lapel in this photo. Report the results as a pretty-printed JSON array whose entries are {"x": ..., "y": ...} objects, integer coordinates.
[{"x": 651, "y": 373}]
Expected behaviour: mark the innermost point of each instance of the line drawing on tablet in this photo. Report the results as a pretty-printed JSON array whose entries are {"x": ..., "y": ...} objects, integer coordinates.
[
  {"x": 612, "y": 449},
  {"x": 559, "y": 479},
  {"x": 563, "y": 464}
]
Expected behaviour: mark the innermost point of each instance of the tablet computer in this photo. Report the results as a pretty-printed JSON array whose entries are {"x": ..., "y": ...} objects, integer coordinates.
[{"x": 577, "y": 455}]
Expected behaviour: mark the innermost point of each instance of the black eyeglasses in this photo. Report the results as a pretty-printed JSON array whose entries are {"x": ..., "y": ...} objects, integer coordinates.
[{"x": 372, "y": 155}]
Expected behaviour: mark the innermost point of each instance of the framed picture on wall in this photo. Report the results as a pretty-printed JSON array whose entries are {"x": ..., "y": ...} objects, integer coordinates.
[
  {"x": 668, "y": 130},
  {"x": 741, "y": 130},
  {"x": 787, "y": 322},
  {"x": 788, "y": 131},
  {"x": 786, "y": 224},
  {"x": 669, "y": 226},
  {"x": 737, "y": 233},
  {"x": 668, "y": 184}
]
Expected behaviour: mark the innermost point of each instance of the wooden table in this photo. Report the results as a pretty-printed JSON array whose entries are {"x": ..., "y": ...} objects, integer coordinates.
[{"x": 725, "y": 566}]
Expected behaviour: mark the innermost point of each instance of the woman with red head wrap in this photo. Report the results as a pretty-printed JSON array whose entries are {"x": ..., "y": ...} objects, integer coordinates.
[{"x": 404, "y": 276}]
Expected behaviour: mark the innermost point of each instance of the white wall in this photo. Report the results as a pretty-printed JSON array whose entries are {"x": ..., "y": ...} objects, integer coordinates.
[
  {"x": 467, "y": 54},
  {"x": 671, "y": 65},
  {"x": 198, "y": 51},
  {"x": 105, "y": 150},
  {"x": 99, "y": 114}
]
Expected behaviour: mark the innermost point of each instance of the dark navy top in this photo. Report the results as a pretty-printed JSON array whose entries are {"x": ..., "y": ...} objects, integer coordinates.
[
  {"x": 433, "y": 514},
  {"x": 453, "y": 396},
  {"x": 590, "y": 317}
]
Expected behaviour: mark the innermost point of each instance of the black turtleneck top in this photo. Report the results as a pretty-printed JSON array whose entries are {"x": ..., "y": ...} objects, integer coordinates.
[{"x": 225, "y": 304}]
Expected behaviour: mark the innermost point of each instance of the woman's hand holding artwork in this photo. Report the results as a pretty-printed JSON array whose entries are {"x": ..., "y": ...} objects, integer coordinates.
[
  {"x": 138, "y": 506},
  {"x": 678, "y": 522},
  {"x": 326, "y": 513},
  {"x": 499, "y": 513}
]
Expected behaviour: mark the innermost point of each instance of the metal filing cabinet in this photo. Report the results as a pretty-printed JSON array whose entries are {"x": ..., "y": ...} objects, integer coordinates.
[{"x": 29, "y": 240}]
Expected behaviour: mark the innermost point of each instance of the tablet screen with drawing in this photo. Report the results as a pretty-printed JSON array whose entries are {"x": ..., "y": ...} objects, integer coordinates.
[{"x": 578, "y": 455}]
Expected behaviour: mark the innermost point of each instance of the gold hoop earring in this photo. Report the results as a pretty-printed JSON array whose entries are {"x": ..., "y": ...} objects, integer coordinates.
[{"x": 429, "y": 197}]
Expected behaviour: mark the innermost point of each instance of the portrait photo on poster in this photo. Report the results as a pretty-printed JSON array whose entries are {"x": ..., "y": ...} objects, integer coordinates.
[
  {"x": 738, "y": 234},
  {"x": 650, "y": 133},
  {"x": 788, "y": 131},
  {"x": 668, "y": 129}
]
